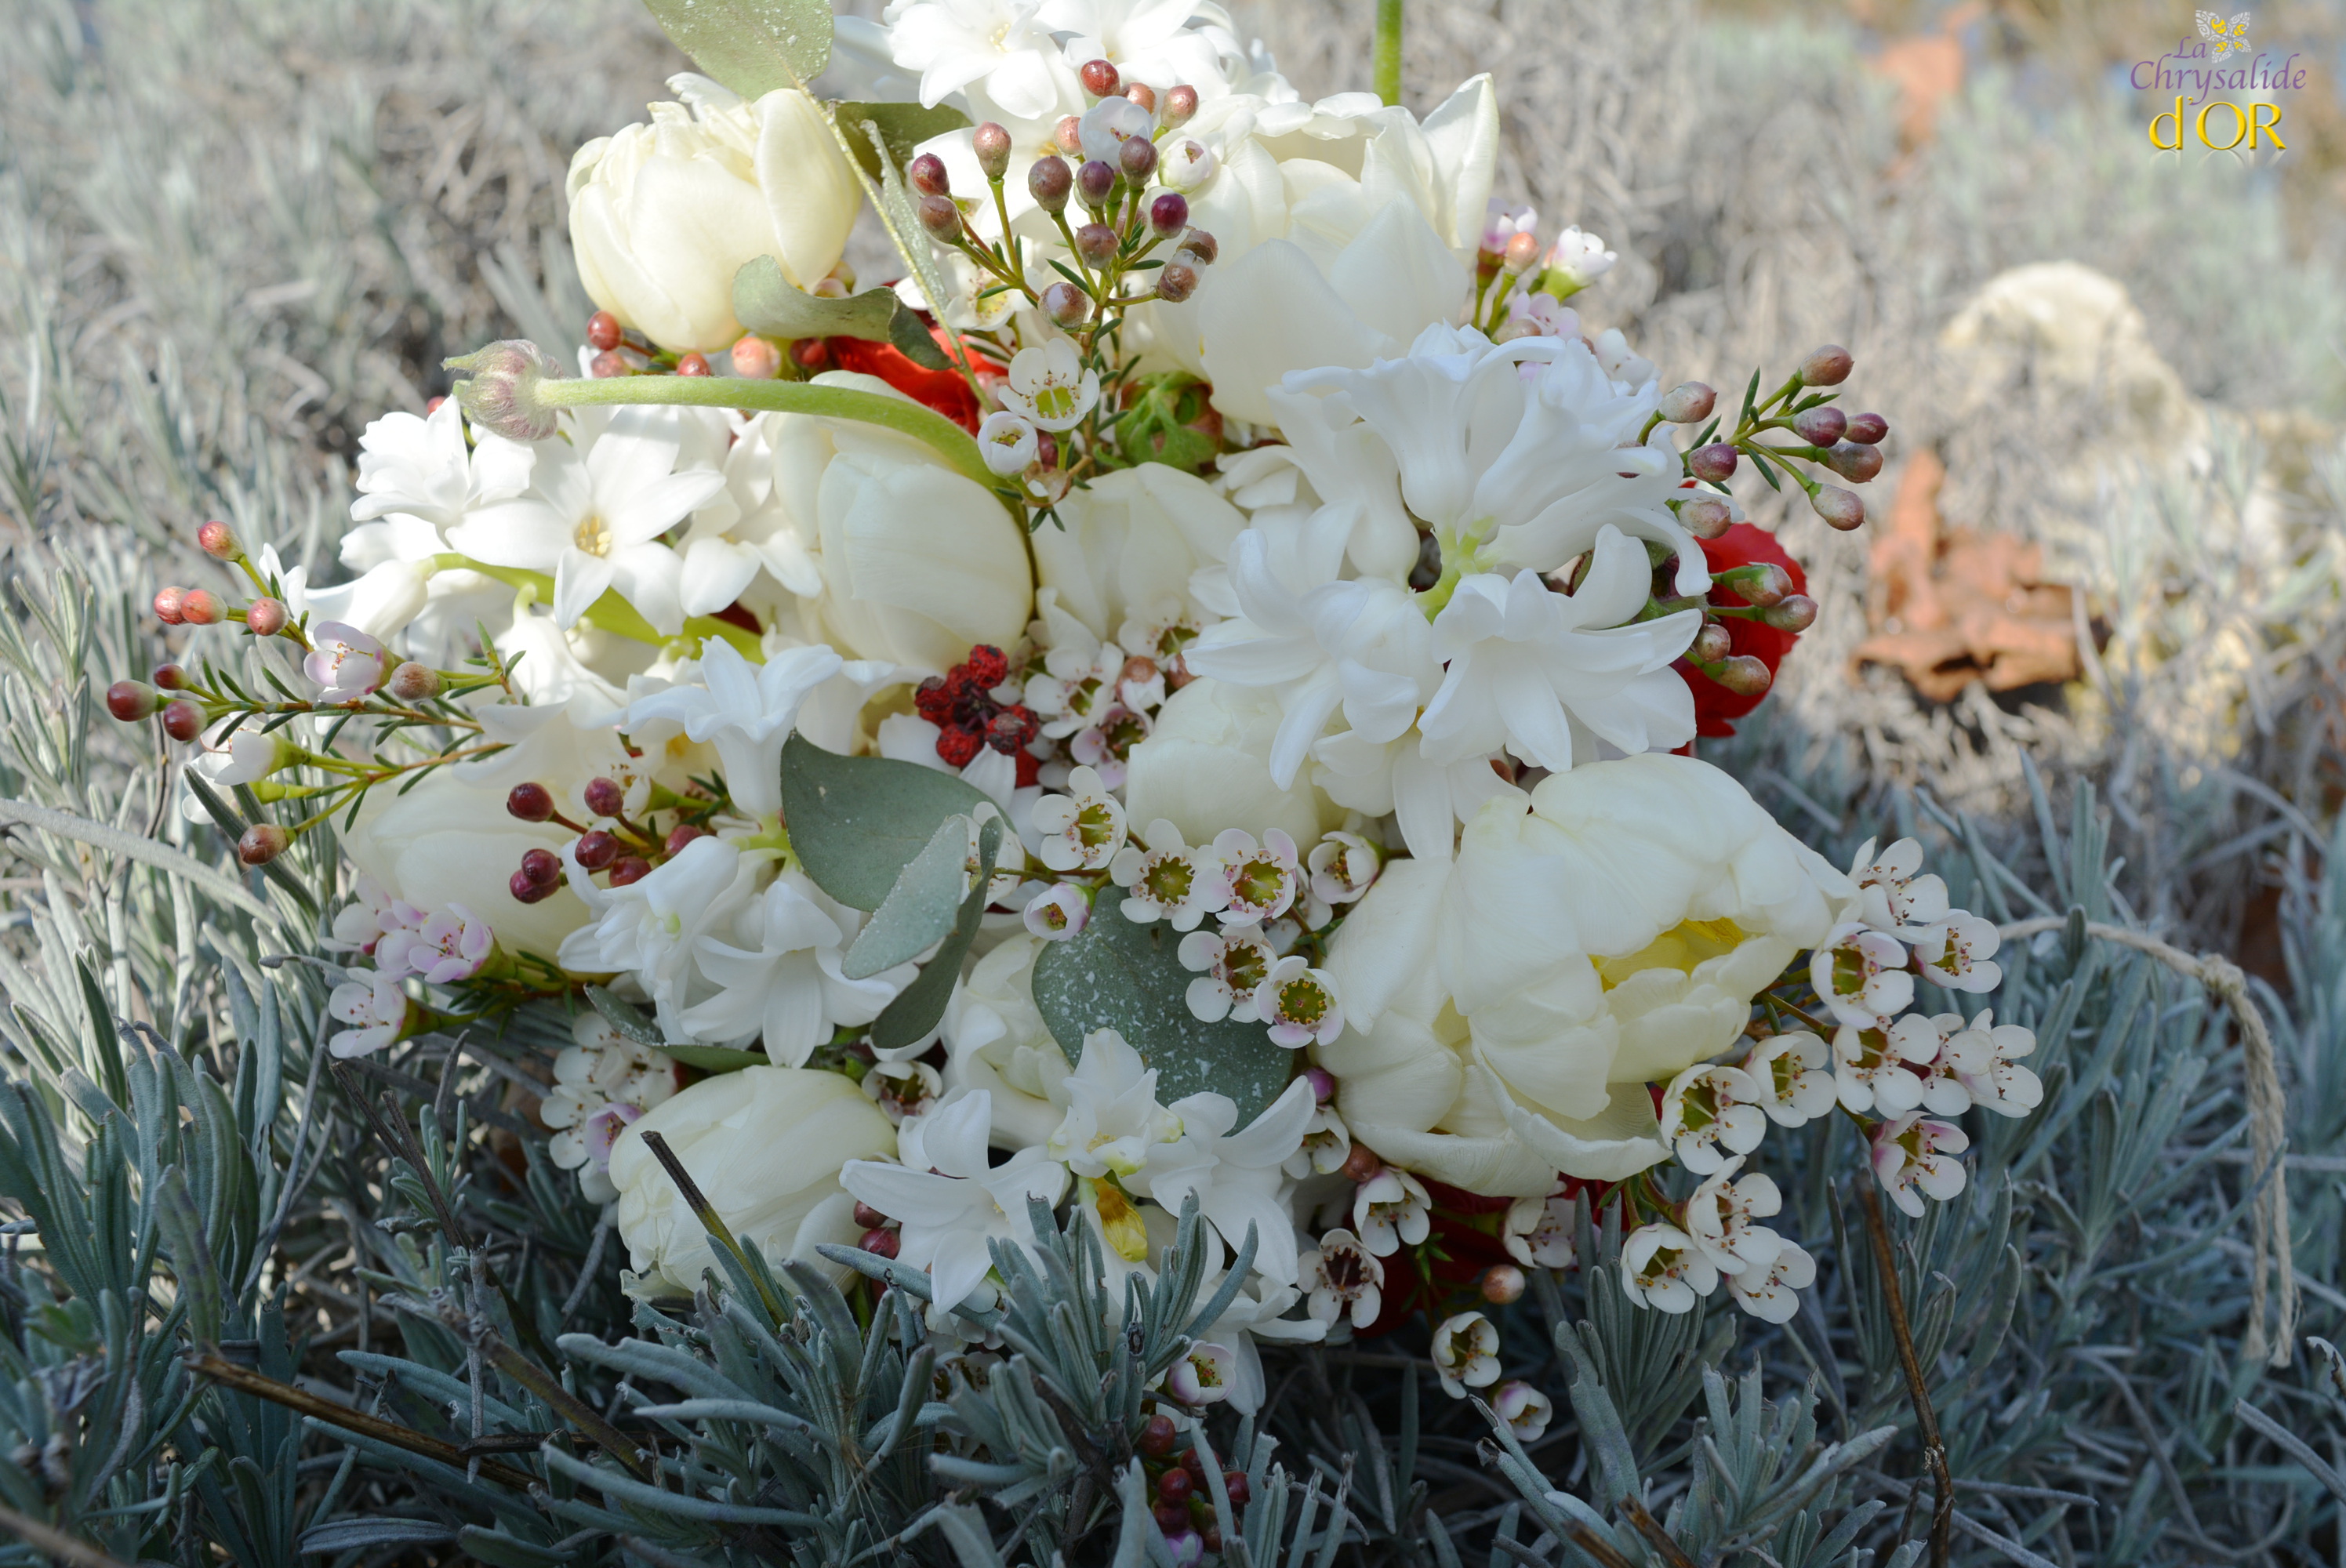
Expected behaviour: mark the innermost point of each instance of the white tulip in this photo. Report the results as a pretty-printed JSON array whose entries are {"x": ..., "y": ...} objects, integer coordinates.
[
  {"x": 450, "y": 840},
  {"x": 1207, "y": 767},
  {"x": 1129, "y": 543},
  {"x": 663, "y": 215},
  {"x": 765, "y": 1145}
]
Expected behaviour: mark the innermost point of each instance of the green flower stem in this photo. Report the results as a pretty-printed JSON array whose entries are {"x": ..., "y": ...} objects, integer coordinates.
[
  {"x": 1388, "y": 52},
  {"x": 949, "y": 440}
]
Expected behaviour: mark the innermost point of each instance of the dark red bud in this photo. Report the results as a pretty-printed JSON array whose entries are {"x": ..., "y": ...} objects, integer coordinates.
[
  {"x": 1176, "y": 1485},
  {"x": 1201, "y": 245},
  {"x": 1234, "y": 1481},
  {"x": 1171, "y": 1517},
  {"x": 1048, "y": 181},
  {"x": 542, "y": 866},
  {"x": 131, "y": 700},
  {"x": 183, "y": 721},
  {"x": 879, "y": 1243},
  {"x": 1100, "y": 78},
  {"x": 1854, "y": 461},
  {"x": 1870, "y": 429},
  {"x": 262, "y": 842},
  {"x": 606, "y": 365},
  {"x": 1828, "y": 367},
  {"x": 1067, "y": 304},
  {"x": 630, "y": 868},
  {"x": 605, "y": 798},
  {"x": 683, "y": 833},
  {"x": 1361, "y": 1164},
  {"x": 596, "y": 851},
  {"x": 992, "y": 143},
  {"x": 527, "y": 892},
  {"x": 1096, "y": 242},
  {"x": 1714, "y": 464},
  {"x": 530, "y": 802},
  {"x": 602, "y": 331},
  {"x": 1176, "y": 281},
  {"x": 1820, "y": 426},
  {"x": 694, "y": 364},
  {"x": 868, "y": 1217},
  {"x": 939, "y": 216},
  {"x": 1094, "y": 181},
  {"x": 1137, "y": 158},
  {"x": 927, "y": 173},
  {"x": 1168, "y": 215},
  {"x": 1157, "y": 1434}
]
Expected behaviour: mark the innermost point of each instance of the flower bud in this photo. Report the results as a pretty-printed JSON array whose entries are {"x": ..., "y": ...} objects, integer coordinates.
[
  {"x": 680, "y": 835},
  {"x": 1144, "y": 95},
  {"x": 1840, "y": 508},
  {"x": 530, "y": 802},
  {"x": 1523, "y": 249},
  {"x": 1201, "y": 245},
  {"x": 605, "y": 365},
  {"x": 413, "y": 682},
  {"x": 868, "y": 1217},
  {"x": 1820, "y": 426},
  {"x": 1761, "y": 583},
  {"x": 166, "y": 605},
  {"x": 170, "y": 678},
  {"x": 630, "y": 868},
  {"x": 217, "y": 540},
  {"x": 1707, "y": 517},
  {"x": 1502, "y": 1283},
  {"x": 1069, "y": 135},
  {"x": 695, "y": 363},
  {"x": 1854, "y": 461},
  {"x": 1100, "y": 78},
  {"x": 1361, "y": 1164},
  {"x": 261, "y": 843},
  {"x": 1047, "y": 483},
  {"x": 756, "y": 359},
  {"x": 991, "y": 144},
  {"x": 1743, "y": 674},
  {"x": 265, "y": 617},
  {"x": 927, "y": 173},
  {"x": 605, "y": 798},
  {"x": 1870, "y": 429},
  {"x": 602, "y": 331},
  {"x": 1048, "y": 181},
  {"x": 132, "y": 700},
  {"x": 598, "y": 849},
  {"x": 1715, "y": 463},
  {"x": 1187, "y": 166},
  {"x": 941, "y": 217},
  {"x": 183, "y": 721},
  {"x": 1096, "y": 242},
  {"x": 500, "y": 388},
  {"x": 541, "y": 865},
  {"x": 1094, "y": 181},
  {"x": 1137, "y": 158},
  {"x": 1689, "y": 403},
  {"x": 1176, "y": 281},
  {"x": 199, "y": 607},
  {"x": 1828, "y": 367},
  {"x": 1322, "y": 1081},
  {"x": 1168, "y": 215},
  {"x": 1794, "y": 613},
  {"x": 1067, "y": 304},
  {"x": 1180, "y": 105},
  {"x": 879, "y": 1243},
  {"x": 1712, "y": 643},
  {"x": 527, "y": 892}
]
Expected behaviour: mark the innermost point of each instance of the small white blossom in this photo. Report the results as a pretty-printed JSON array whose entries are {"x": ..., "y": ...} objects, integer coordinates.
[
  {"x": 1525, "y": 1409},
  {"x": 1050, "y": 386},
  {"x": 1538, "y": 1231},
  {"x": 1083, "y": 829},
  {"x": 1577, "y": 259},
  {"x": 1957, "y": 954},
  {"x": 1466, "y": 1353},
  {"x": 1392, "y": 1210},
  {"x": 371, "y": 915},
  {"x": 1106, "y": 742},
  {"x": 1343, "y": 866},
  {"x": 1503, "y": 220},
  {"x": 1341, "y": 1276},
  {"x": 1914, "y": 1157},
  {"x": 1231, "y": 964},
  {"x": 1874, "y": 1072},
  {"x": 1985, "y": 1055},
  {"x": 1007, "y": 440},
  {"x": 1922, "y": 1040},
  {"x": 1262, "y": 879},
  {"x": 1660, "y": 1267},
  {"x": 1058, "y": 912},
  {"x": 1203, "y": 1376},
  {"x": 1300, "y": 1004},
  {"x": 1113, "y": 1117},
  {"x": 374, "y": 1007},
  {"x": 1793, "y": 1072},
  {"x": 450, "y": 945},
  {"x": 1894, "y": 895},
  {"x": 1169, "y": 881},
  {"x": 344, "y": 661},
  {"x": 1861, "y": 975},
  {"x": 1772, "y": 1294},
  {"x": 903, "y": 1090},
  {"x": 1720, "y": 1216},
  {"x": 1327, "y": 1144},
  {"x": 1711, "y": 1111}
]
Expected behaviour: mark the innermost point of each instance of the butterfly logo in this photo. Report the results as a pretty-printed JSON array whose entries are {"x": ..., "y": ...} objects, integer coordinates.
[{"x": 2223, "y": 36}]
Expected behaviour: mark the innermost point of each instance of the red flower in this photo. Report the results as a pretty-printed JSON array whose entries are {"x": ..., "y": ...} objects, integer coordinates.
[
  {"x": 1741, "y": 545},
  {"x": 945, "y": 390}
]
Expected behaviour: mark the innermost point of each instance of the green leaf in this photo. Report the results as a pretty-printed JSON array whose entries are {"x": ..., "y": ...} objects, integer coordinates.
[
  {"x": 919, "y": 911},
  {"x": 629, "y": 1021},
  {"x": 767, "y": 304},
  {"x": 712, "y": 1058},
  {"x": 751, "y": 46},
  {"x": 1117, "y": 974},
  {"x": 856, "y": 822},
  {"x": 903, "y": 128},
  {"x": 910, "y": 335},
  {"x": 897, "y": 214},
  {"x": 919, "y": 1005}
]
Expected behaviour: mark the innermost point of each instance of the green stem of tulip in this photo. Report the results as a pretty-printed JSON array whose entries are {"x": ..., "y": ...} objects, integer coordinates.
[
  {"x": 1388, "y": 55},
  {"x": 610, "y": 613},
  {"x": 900, "y": 414}
]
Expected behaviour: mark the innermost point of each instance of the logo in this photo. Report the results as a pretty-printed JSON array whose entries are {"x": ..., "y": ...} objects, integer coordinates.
[{"x": 2223, "y": 36}]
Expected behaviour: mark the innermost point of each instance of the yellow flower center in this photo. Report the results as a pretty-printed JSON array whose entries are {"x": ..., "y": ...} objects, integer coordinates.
[
  {"x": 1683, "y": 947},
  {"x": 593, "y": 536}
]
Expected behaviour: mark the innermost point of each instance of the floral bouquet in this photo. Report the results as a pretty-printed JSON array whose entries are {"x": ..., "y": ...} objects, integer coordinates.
[{"x": 1184, "y": 701}]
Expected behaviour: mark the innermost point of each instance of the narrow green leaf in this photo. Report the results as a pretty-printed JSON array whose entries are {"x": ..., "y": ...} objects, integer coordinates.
[
  {"x": 628, "y": 1020},
  {"x": 751, "y": 46},
  {"x": 713, "y": 1058},
  {"x": 856, "y": 822},
  {"x": 919, "y": 911},
  {"x": 1120, "y": 975}
]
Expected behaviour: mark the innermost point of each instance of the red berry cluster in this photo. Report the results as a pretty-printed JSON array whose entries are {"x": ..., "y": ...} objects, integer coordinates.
[
  {"x": 1184, "y": 1501},
  {"x": 961, "y": 705}
]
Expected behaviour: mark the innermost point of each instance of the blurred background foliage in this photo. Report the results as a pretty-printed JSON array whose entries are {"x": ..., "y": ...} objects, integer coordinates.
[{"x": 2089, "y": 649}]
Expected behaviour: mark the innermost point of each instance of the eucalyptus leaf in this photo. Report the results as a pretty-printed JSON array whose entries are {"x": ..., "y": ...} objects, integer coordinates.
[
  {"x": 767, "y": 304},
  {"x": 628, "y": 1020},
  {"x": 752, "y": 46},
  {"x": 910, "y": 335},
  {"x": 1118, "y": 974},
  {"x": 919, "y": 911},
  {"x": 856, "y": 822},
  {"x": 712, "y": 1058},
  {"x": 919, "y": 1005},
  {"x": 902, "y": 128}
]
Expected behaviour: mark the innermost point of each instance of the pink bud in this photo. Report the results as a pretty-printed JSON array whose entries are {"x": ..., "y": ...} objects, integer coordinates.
[
  {"x": 1322, "y": 1081},
  {"x": 199, "y": 608},
  {"x": 756, "y": 359},
  {"x": 602, "y": 331},
  {"x": 1689, "y": 402},
  {"x": 1049, "y": 180},
  {"x": 1714, "y": 464},
  {"x": 1743, "y": 674},
  {"x": 1707, "y": 518},
  {"x": 183, "y": 721},
  {"x": 130, "y": 700},
  {"x": 1840, "y": 508},
  {"x": 1820, "y": 426},
  {"x": 217, "y": 541},
  {"x": 1181, "y": 106},
  {"x": 265, "y": 617},
  {"x": 1797, "y": 613},
  {"x": 991, "y": 144},
  {"x": 166, "y": 605},
  {"x": 927, "y": 173},
  {"x": 1067, "y": 304},
  {"x": 1870, "y": 428},
  {"x": 1826, "y": 367},
  {"x": 939, "y": 216},
  {"x": 1854, "y": 461},
  {"x": 1100, "y": 78}
]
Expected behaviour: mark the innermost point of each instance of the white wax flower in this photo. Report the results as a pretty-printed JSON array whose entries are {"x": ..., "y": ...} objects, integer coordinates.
[
  {"x": 663, "y": 215},
  {"x": 1344, "y": 1277},
  {"x": 1879, "y": 1069},
  {"x": 1923, "y": 1039},
  {"x": 1955, "y": 954},
  {"x": 1894, "y": 893},
  {"x": 1661, "y": 1268},
  {"x": 1008, "y": 442},
  {"x": 1914, "y": 1158},
  {"x": 1466, "y": 1353},
  {"x": 1986, "y": 1056},
  {"x": 373, "y": 1006},
  {"x": 1794, "y": 1072},
  {"x": 765, "y": 1146},
  {"x": 1392, "y": 1210},
  {"x": 1231, "y": 962},
  {"x": 373, "y": 914},
  {"x": 1167, "y": 879},
  {"x": 1083, "y": 829},
  {"x": 1861, "y": 975},
  {"x": 1050, "y": 384},
  {"x": 1202, "y": 1375},
  {"x": 1771, "y": 1294},
  {"x": 1525, "y": 1409},
  {"x": 1720, "y": 1216},
  {"x": 1538, "y": 1231},
  {"x": 344, "y": 661},
  {"x": 451, "y": 944},
  {"x": 1711, "y": 1112}
]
